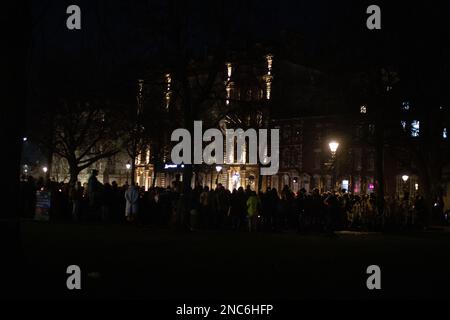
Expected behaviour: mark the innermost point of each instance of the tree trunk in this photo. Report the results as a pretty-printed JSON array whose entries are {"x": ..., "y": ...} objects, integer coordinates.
[
  {"x": 74, "y": 171},
  {"x": 425, "y": 185},
  {"x": 73, "y": 177},
  {"x": 379, "y": 163},
  {"x": 50, "y": 147},
  {"x": 133, "y": 171},
  {"x": 49, "y": 164}
]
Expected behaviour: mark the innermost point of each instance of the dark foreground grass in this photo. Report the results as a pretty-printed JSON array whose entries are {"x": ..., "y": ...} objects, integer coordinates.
[{"x": 143, "y": 262}]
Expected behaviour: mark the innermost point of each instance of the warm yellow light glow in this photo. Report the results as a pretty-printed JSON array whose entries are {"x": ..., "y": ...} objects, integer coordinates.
[
  {"x": 268, "y": 89},
  {"x": 228, "y": 83},
  {"x": 269, "y": 59},
  {"x": 128, "y": 166},
  {"x": 333, "y": 146},
  {"x": 405, "y": 177},
  {"x": 228, "y": 90},
  {"x": 168, "y": 91},
  {"x": 268, "y": 76},
  {"x": 229, "y": 70}
]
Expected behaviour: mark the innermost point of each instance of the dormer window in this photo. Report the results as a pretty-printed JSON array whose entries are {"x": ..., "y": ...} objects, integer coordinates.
[{"x": 363, "y": 109}]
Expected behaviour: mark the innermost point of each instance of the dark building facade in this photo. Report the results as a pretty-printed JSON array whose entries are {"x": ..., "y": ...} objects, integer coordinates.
[{"x": 306, "y": 160}]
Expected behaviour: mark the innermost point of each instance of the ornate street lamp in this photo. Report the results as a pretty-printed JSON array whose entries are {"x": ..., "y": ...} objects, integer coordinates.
[
  {"x": 333, "y": 147},
  {"x": 405, "y": 179},
  {"x": 128, "y": 166},
  {"x": 218, "y": 169}
]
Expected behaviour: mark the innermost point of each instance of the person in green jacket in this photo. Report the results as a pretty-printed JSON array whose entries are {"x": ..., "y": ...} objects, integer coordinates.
[{"x": 253, "y": 207}]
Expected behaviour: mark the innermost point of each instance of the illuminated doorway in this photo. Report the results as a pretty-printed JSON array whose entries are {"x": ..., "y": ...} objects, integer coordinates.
[{"x": 235, "y": 181}]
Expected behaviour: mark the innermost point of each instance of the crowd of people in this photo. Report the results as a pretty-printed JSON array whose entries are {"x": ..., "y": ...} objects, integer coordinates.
[{"x": 220, "y": 208}]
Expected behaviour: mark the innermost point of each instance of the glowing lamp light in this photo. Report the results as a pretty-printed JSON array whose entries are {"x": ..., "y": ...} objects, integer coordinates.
[
  {"x": 405, "y": 177},
  {"x": 24, "y": 139},
  {"x": 416, "y": 186},
  {"x": 45, "y": 169},
  {"x": 333, "y": 146},
  {"x": 371, "y": 186},
  {"x": 128, "y": 166},
  {"x": 218, "y": 168}
]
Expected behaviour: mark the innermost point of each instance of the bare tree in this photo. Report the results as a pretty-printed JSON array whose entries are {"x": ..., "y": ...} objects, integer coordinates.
[{"x": 84, "y": 132}]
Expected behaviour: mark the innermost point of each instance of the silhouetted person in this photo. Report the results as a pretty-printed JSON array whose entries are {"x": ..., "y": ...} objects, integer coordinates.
[
  {"x": 332, "y": 212},
  {"x": 94, "y": 194},
  {"x": 131, "y": 207},
  {"x": 253, "y": 208},
  {"x": 108, "y": 202},
  {"x": 205, "y": 208},
  {"x": 76, "y": 198}
]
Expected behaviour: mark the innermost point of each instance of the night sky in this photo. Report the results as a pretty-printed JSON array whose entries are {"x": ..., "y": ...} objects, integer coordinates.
[{"x": 119, "y": 38}]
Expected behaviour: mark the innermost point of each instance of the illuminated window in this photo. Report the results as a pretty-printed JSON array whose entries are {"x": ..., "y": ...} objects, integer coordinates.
[
  {"x": 406, "y": 105},
  {"x": 345, "y": 184},
  {"x": 363, "y": 109},
  {"x": 415, "y": 128},
  {"x": 268, "y": 89}
]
